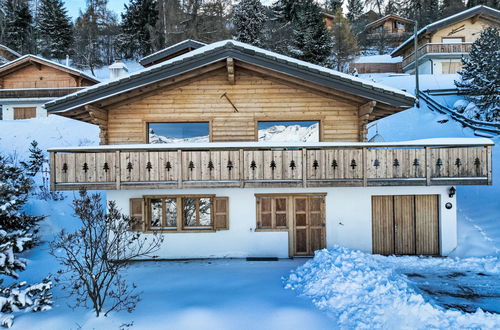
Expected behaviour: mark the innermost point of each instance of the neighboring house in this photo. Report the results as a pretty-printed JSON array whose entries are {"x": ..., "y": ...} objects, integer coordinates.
[
  {"x": 390, "y": 30},
  {"x": 442, "y": 44},
  {"x": 7, "y": 54},
  {"x": 225, "y": 186},
  {"x": 171, "y": 52},
  {"x": 29, "y": 81}
]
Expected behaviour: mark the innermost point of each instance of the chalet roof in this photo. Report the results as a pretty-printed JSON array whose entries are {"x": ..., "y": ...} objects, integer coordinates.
[
  {"x": 166, "y": 52},
  {"x": 385, "y": 18},
  {"x": 11, "y": 51},
  {"x": 28, "y": 59},
  {"x": 242, "y": 52},
  {"x": 471, "y": 12}
]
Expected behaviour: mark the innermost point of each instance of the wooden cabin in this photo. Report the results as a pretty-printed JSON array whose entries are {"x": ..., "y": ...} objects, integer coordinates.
[
  {"x": 391, "y": 30},
  {"x": 442, "y": 44},
  {"x": 28, "y": 82},
  {"x": 187, "y": 146}
]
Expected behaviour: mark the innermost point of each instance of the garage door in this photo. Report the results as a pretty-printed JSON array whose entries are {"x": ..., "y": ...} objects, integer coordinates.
[{"x": 406, "y": 224}]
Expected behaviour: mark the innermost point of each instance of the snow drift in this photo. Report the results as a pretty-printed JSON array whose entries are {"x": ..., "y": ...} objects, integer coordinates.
[{"x": 366, "y": 291}]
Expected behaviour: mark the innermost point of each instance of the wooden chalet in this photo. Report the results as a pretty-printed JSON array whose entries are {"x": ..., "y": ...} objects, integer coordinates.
[
  {"x": 442, "y": 44},
  {"x": 391, "y": 30},
  {"x": 234, "y": 195},
  {"x": 29, "y": 81},
  {"x": 7, "y": 54}
]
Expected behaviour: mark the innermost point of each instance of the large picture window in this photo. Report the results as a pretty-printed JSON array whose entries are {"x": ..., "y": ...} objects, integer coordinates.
[
  {"x": 178, "y": 132},
  {"x": 182, "y": 213},
  {"x": 288, "y": 131}
]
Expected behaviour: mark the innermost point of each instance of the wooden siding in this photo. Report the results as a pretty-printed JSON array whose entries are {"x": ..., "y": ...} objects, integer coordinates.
[
  {"x": 271, "y": 167},
  {"x": 41, "y": 76},
  {"x": 256, "y": 99}
]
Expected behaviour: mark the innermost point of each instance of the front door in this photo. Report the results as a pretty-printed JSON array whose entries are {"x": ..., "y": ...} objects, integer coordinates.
[{"x": 308, "y": 233}]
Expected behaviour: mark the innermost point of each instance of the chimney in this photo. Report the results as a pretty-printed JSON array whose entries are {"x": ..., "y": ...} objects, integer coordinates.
[{"x": 117, "y": 70}]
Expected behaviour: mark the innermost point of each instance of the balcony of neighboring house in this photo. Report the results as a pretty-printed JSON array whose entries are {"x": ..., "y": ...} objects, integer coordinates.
[
  {"x": 24, "y": 93},
  {"x": 444, "y": 50},
  {"x": 273, "y": 164}
]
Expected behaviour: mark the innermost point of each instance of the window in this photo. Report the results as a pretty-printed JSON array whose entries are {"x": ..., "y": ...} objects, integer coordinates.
[
  {"x": 178, "y": 132},
  {"x": 181, "y": 213},
  {"x": 452, "y": 40},
  {"x": 288, "y": 131},
  {"x": 272, "y": 212}
]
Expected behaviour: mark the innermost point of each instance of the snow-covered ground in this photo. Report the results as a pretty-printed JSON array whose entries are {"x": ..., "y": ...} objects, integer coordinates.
[{"x": 354, "y": 288}]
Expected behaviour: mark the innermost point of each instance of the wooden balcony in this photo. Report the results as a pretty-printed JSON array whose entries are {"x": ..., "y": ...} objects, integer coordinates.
[
  {"x": 424, "y": 162},
  {"x": 439, "y": 48}
]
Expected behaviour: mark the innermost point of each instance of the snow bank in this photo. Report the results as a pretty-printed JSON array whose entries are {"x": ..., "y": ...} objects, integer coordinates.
[{"x": 365, "y": 291}]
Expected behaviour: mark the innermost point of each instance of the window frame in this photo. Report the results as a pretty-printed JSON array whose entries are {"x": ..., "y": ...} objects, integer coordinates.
[
  {"x": 146, "y": 123},
  {"x": 452, "y": 43},
  {"x": 180, "y": 224},
  {"x": 273, "y": 212},
  {"x": 258, "y": 120}
]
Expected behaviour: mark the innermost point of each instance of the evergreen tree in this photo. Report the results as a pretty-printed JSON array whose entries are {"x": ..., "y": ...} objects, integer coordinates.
[
  {"x": 490, "y": 3},
  {"x": 333, "y": 5},
  {"x": 480, "y": 76},
  {"x": 137, "y": 28},
  {"x": 249, "y": 17},
  {"x": 95, "y": 33},
  {"x": 345, "y": 46},
  {"x": 355, "y": 16},
  {"x": 36, "y": 159},
  {"x": 310, "y": 41},
  {"x": 18, "y": 33},
  {"x": 54, "y": 29},
  {"x": 392, "y": 7},
  {"x": 451, "y": 7}
]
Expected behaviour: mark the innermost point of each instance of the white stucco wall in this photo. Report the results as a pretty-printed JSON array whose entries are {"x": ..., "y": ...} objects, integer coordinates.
[
  {"x": 348, "y": 221},
  {"x": 8, "y": 109}
]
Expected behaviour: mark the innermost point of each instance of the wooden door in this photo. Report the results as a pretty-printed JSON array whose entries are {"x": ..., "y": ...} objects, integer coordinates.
[
  {"x": 24, "y": 113},
  {"x": 309, "y": 224},
  {"x": 405, "y": 224}
]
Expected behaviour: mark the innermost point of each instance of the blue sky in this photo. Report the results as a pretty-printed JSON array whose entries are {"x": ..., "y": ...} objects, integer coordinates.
[{"x": 74, "y": 6}]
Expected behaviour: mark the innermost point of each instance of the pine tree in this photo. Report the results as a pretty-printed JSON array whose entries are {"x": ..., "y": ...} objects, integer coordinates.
[
  {"x": 54, "y": 29},
  {"x": 248, "y": 20},
  {"x": 355, "y": 15},
  {"x": 36, "y": 159},
  {"x": 490, "y": 3},
  {"x": 451, "y": 7},
  {"x": 95, "y": 33},
  {"x": 480, "y": 76},
  {"x": 345, "y": 46},
  {"x": 137, "y": 27},
  {"x": 333, "y": 5},
  {"x": 310, "y": 41},
  {"x": 18, "y": 33}
]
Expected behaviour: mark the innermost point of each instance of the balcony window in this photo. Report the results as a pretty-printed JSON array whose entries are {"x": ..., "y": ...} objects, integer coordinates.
[
  {"x": 178, "y": 132},
  {"x": 452, "y": 40},
  {"x": 289, "y": 131}
]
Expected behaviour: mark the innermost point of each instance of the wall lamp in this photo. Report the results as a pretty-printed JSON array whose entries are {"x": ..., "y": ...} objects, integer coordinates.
[{"x": 452, "y": 191}]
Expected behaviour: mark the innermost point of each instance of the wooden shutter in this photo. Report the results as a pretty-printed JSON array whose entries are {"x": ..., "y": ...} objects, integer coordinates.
[
  {"x": 221, "y": 212},
  {"x": 382, "y": 225},
  {"x": 427, "y": 224},
  {"x": 137, "y": 212}
]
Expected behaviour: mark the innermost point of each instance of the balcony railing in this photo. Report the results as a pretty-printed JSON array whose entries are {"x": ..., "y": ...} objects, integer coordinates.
[
  {"x": 435, "y": 162},
  {"x": 439, "y": 48}
]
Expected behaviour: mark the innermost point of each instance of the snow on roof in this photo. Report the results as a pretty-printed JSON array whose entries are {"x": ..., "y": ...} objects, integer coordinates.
[
  {"x": 268, "y": 144},
  {"x": 188, "y": 43},
  {"x": 10, "y": 50},
  {"x": 450, "y": 20},
  {"x": 220, "y": 45},
  {"x": 79, "y": 72},
  {"x": 378, "y": 59}
]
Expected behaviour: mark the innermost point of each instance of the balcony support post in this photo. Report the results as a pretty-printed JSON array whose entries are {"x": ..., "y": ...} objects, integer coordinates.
[
  {"x": 179, "y": 168},
  {"x": 364, "y": 112},
  {"x": 242, "y": 168},
  {"x": 365, "y": 167},
  {"x": 52, "y": 164},
  {"x": 99, "y": 117},
  {"x": 304, "y": 167},
  {"x": 427, "y": 166},
  {"x": 488, "y": 157},
  {"x": 118, "y": 172}
]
